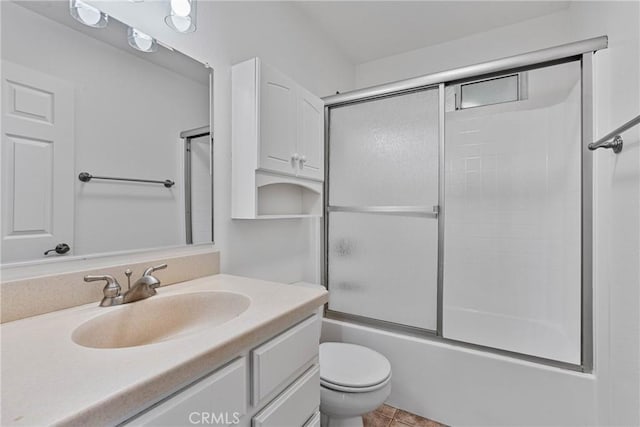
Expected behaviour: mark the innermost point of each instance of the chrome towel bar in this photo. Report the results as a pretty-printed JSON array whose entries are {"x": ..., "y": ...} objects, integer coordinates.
[
  {"x": 86, "y": 177},
  {"x": 616, "y": 143}
]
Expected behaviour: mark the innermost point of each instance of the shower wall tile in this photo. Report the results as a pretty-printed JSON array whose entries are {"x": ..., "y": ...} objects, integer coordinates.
[{"x": 512, "y": 218}]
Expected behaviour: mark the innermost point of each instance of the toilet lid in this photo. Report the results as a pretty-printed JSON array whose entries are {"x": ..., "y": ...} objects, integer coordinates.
[{"x": 351, "y": 365}]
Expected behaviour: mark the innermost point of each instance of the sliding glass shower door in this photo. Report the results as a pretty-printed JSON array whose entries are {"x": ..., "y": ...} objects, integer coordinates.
[
  {"x": 512, "y": 252},
  {"x": 463, "y": 210},
  {"x": 382, "y": 228}
]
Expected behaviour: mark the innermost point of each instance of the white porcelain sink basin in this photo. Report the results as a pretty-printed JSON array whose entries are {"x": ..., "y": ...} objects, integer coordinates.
[{"x": 160, "y": 318}]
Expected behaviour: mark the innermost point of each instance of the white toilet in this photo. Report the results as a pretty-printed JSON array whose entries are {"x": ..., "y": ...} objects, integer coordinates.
[{"x": 354, "y": 380}]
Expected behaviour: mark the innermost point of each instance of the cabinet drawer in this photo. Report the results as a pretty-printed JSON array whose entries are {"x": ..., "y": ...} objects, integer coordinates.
[
  {"x": 276, "y": 362},
  {"x": 314, "y": 421},
  {"x": 295, "y": 405},
  {"x": 220, "y": 399}
]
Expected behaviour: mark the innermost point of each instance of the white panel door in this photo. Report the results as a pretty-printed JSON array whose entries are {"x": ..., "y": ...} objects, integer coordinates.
[
  {"x": 37, "y": 163},
  {"x": 310, "y": 135},
  {"x": 277, "y": 121}
]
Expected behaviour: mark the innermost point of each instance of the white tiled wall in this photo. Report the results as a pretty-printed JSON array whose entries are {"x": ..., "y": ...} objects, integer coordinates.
[{"x": 512, "y": 220}]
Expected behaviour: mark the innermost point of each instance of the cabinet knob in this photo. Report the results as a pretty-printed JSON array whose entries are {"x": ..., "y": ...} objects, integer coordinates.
[
  {"x": 303, "y": 160},
  {"x": 295, "y": 157}
]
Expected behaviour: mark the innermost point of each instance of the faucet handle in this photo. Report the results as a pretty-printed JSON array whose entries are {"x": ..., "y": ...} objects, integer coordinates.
[
  {"x": 107, "y": 277},
  {"x": 111, "y": 289},
  {"x": 150, "y": 270}
]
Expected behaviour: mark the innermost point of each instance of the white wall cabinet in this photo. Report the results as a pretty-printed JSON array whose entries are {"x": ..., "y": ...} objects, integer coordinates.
[
  {"x": 283, "y": 372},
  {"x": 276, "y": 96},
  {"x": 278, "y": 145},
  {"x": 310, "y": 135}
]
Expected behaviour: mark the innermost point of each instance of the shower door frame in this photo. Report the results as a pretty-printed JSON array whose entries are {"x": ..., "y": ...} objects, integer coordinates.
[
  {"x": 581, "y": 51},
  {"x": 188, "y": 136}
]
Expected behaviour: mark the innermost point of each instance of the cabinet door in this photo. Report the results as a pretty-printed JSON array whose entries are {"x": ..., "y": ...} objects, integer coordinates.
[
  {"x": 314, "y": 421},
  {"x": 295, "y": 406},
  {"x": 218, "y": 399},
  {"x": 276, "y": 361},
  {"x": 277, "y": 121},
  {"x": 310, "y": 135}
]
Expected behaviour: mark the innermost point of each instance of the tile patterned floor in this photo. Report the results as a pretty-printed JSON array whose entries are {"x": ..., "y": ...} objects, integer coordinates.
[{"x": 388, "y": 416}]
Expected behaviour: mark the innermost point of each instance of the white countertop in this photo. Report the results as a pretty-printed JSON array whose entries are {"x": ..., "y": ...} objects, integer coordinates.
[{"x": 49, "y": 379}]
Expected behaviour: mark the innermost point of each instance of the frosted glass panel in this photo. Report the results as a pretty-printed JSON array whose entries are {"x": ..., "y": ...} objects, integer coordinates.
[
  {"x": 384, "y": 267},
  {"x": 385, "y": 152},
  {"x": 493, "y": 91},
  {"x": 512, "y": 276}
]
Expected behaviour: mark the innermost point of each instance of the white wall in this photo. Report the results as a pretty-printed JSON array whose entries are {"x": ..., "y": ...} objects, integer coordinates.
[
  {"x": 125, "y": 125},
  {"x": 465, "y": 387},
  {"x": 617, "y": 208},
  {"x": 229, "y": 32},
  {"x": 538, "y": 33}
]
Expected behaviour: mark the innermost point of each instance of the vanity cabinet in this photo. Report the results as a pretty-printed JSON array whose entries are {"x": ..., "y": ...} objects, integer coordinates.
[
  {"x": 276, "y": 362},
  {"x": 278, "y": 144},
  {"x": 296, "y": 405},
  {"x": 221, "y": 394},
  {"x": 275, "y": 384}
]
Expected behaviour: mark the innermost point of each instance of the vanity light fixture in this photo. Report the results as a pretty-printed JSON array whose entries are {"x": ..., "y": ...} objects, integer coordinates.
[
  {"x": 88, "y": 14},
  {"x": 141, "y": 41},
  {"x": 181, "y": 15}
]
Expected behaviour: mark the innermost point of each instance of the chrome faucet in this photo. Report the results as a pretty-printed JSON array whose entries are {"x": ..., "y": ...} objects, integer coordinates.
[
  {"x": 144, "y": 287},
  {"x": 111, "y": 290}
]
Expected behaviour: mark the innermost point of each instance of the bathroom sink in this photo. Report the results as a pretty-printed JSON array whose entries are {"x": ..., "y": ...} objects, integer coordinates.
[{"x": 159, "y": 319}]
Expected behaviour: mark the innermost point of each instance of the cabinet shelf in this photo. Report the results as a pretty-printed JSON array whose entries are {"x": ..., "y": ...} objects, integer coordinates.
[{"x": 285, "y": 198}]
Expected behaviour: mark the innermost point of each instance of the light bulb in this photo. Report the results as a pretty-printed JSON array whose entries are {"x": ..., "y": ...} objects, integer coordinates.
[
  {"x": 141, "y": 41},
  {"x": 181, "y": 7},
  {"x": 180, "y": 23},
  {"x": 90, "y": 15},
  {"x": 87, "y": 14},
  {"x": 181, "y": 15}
]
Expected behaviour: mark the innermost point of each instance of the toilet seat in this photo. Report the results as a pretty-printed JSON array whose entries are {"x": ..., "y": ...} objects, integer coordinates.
[
  {"x": 352, "y": 368},
  {"x": 345, "y": 389}
]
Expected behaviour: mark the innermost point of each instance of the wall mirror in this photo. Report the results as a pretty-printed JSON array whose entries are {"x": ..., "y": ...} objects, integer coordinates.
[{"x": 77, "y": 99}]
